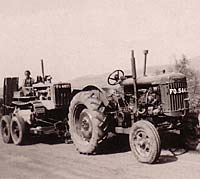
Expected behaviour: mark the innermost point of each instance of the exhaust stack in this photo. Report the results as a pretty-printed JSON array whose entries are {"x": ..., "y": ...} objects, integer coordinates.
[
  {"x": 145, "y": 62},
  {"x": 134, "y": 75},
  {"x": 42, "y": 67}
]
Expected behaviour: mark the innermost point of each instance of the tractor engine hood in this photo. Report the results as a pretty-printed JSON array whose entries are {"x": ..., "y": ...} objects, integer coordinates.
[{"x": 155, "y": 80}]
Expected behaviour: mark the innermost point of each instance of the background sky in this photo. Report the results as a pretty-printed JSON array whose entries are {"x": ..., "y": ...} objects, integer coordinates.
[{"x": 82, "y": 37}]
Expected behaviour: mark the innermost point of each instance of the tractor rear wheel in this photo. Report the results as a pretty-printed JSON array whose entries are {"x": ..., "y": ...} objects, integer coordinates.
[
  {"x": 87, "y": 121},
  {"x": 190, "y": 133},
  {"x": 5, "y": 129},
  {"x": 17, "y": 128},
  {"x": 145, "y": 142}
]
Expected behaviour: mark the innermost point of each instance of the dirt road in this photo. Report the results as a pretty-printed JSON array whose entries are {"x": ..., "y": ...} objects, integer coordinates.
[{"x": 59, "y": 160}]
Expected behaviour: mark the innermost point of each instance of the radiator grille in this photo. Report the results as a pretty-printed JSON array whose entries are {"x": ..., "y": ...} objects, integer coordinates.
[
  {"x": 62, "y": 94},
  {"x": 177, "y": 93}
]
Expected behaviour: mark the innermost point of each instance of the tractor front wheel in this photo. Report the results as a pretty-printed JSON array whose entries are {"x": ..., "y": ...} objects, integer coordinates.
[
  {"x": 145, "y": 142},
  {"x": 5, "y": 129},
  {"x": 17, "y": 128}
]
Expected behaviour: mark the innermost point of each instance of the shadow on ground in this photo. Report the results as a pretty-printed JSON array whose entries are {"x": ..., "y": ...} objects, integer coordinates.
[
  {"x": 45, "y": 139},
  {"x": 166, "y": 159},
  {"x": 120, "y": 143},
  {"x": 170, "y": 141},
  {"x": 114, "y": 144}
]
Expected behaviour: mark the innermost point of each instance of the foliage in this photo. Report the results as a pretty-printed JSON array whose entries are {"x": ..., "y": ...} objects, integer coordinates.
[{"x": 182, "y": 65}]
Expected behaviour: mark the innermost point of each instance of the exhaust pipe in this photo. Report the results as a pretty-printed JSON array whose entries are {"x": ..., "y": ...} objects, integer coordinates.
[
  {"x": 42, "y": 66},
  {"x": 134, "y": 76},
  {"x": 145, "y": 62}
]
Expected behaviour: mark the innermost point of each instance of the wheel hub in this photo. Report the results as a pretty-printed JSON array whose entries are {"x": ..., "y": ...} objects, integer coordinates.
[
  {"x": 142, "y": 143},
  {"x": 85, "y": 123}
]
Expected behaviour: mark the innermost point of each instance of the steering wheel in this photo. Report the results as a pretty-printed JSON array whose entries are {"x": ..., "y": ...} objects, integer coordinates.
[{"x": 115, "y": 77}]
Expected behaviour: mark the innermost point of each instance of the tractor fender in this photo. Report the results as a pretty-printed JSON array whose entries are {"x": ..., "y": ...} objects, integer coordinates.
[{"x": 102, "y": 94}]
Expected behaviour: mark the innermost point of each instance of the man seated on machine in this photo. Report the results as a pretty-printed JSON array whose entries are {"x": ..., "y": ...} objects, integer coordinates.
[
  {"x": 27, "y": 84},
  {"x": 28, "y": 81}
]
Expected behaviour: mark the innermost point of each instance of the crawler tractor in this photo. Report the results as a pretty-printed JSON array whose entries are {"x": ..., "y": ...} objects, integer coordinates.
[
  {"x": 37, "y": 110},
  {"x": 138, "y": 106}
]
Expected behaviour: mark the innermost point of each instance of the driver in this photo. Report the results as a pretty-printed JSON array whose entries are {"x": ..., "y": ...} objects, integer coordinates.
[
  {"x": 26, "y": 88},
  {"x": 28, "y": 81}
]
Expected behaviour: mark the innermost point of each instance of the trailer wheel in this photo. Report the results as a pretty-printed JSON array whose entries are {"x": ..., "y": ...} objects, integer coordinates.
[
  {"x": 17, "y": 128},
  {"x": 5, "y": 129},
  {"x": 87, "y": 123},
  {"x": 145, "y": 142}
]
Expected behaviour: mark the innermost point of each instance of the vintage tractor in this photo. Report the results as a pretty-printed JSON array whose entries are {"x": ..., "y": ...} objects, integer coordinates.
[
  {"x": 40, "y": 109},
  {"x": 140, "y": 107}
]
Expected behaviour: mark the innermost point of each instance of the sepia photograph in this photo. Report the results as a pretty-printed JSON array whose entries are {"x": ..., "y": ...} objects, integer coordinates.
[{"x": 100, "y": 89}]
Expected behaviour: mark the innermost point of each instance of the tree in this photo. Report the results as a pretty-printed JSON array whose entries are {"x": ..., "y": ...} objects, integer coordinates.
[{"x": 183, "y": 66}]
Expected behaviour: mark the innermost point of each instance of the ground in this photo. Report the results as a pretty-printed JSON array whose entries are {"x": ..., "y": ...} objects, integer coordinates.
[{"x": 56, "y": 160}]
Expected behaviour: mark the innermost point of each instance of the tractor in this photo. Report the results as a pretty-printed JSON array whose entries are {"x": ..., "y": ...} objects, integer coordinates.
[
  {"x": 38, "y": 110},
  {"x": 138, "y": 106}
]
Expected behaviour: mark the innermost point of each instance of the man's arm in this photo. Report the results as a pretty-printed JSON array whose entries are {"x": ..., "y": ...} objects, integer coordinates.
[
  {"x": 32, "y": 81},
  {"x": 23, "y": 84}
]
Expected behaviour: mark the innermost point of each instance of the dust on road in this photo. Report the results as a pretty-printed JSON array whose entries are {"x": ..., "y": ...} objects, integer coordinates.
[{"x": 62, "y": 161}]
